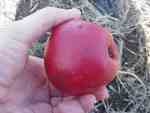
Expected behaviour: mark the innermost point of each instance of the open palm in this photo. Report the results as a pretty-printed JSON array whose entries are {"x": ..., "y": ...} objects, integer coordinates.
[{"x": 23, "y": 84}]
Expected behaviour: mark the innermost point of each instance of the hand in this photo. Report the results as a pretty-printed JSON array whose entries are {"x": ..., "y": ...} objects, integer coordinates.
[{"x": 23, "y": 84}]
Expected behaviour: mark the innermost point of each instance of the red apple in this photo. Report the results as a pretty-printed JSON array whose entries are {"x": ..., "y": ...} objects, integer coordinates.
[{"x": 80, "y": 57}]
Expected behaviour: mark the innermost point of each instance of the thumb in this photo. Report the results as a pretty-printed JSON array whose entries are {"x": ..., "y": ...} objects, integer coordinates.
[{"x": 30, "y": 29}]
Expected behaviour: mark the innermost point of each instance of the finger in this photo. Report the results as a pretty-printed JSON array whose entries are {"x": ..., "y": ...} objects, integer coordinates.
[
  {"x": 31, "y": 82},
  {"x": 71, "y": 106},
  {"x": 32, "y": 27},
  {"x": 41, "y": 108},
  {"x": 87, "y": 102},
  {"x": 101, "y": 93},
  {"x": 55, "y": 101},
  {"x": 36, "y": 66}
]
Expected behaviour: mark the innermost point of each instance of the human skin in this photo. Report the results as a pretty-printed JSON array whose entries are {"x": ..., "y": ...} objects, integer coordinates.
[{"x": 23, "y": 84}]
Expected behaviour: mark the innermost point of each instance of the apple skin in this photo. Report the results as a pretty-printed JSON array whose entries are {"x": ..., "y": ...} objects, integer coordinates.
[{"x": 80, "y": 57}]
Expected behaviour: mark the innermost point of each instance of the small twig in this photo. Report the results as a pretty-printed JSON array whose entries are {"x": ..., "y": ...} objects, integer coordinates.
[
  {"x": 122, "y": 84},
  {"x": 121, "y": 46},
  {"x": 132, "y": 52},
  {"x": 105, "y": 106},
  {"x": 140, "y": 81},
  {"x": 8, "y": 16},
  {"x": 34, "y": 7}
]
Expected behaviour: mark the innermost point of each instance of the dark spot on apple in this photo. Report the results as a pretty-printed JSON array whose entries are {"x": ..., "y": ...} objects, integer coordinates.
[
  {"x": 87, "y": 51},
  {"x": 110, "y": 52},
  {"x": 80, "y": 26}
]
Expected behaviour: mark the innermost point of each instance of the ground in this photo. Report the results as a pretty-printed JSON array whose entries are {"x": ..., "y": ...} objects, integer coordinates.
[{"x": 130, "y": 91}]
